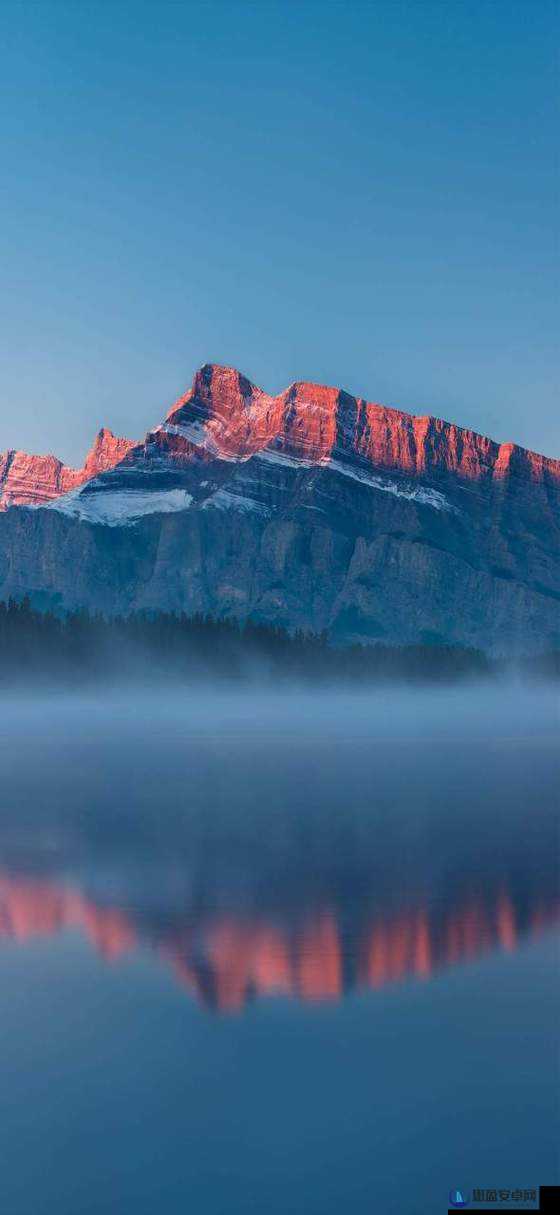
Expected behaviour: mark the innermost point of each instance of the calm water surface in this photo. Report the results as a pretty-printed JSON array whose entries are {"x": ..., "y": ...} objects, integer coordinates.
[{"x": 293, "y": 954}]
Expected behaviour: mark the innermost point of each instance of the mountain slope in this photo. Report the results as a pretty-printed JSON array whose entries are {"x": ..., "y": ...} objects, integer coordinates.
[{"x": 313, "y": 509}]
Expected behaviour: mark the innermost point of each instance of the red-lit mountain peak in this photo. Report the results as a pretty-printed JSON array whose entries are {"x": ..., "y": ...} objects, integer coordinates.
[
  {"x": 30, "y": 480},
  {"x": 225, "y": 414}
]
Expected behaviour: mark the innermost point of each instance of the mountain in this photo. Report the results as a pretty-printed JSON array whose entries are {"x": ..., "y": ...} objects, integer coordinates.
[
  {"x": 35, "y": 480},
  {"x": 311, "y": 509}
]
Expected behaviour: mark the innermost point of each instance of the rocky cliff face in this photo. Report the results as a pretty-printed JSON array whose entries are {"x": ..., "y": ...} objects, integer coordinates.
[
  {"x": 312, "y": 509},
  {"x": 224, "y": 414},
  {"x": 27, "y": 480}
]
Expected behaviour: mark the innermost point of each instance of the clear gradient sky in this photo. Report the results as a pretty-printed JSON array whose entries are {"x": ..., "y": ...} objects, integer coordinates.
[{"x": 363, "y": 194}]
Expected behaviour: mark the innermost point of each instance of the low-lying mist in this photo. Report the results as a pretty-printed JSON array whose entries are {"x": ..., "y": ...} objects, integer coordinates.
[{"x": 163, "y": 748}]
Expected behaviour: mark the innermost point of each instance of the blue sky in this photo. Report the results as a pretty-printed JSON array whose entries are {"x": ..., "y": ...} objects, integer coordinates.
[{"x": 363, "y": 194}]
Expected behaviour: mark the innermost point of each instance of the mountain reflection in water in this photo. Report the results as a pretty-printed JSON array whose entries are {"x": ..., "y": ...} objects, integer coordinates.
[
  {"x": 306, "y": 845},
  {"x": 365, "y": 886},
  {"x": 226, "y": 960}
]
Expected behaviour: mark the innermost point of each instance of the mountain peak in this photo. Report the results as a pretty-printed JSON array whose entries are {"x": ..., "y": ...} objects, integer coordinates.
[
  {"x": 30, "y": 480},
  {"x": 225, "y": 413},
  {"x": 106, "y": 451}
]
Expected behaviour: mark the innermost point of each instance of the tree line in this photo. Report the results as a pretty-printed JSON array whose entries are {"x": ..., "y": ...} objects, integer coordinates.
[{"x": 79, "y": 646}]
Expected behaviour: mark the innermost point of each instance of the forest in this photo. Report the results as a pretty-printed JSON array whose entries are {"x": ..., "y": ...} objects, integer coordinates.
[{"x": 77, "y": 647}]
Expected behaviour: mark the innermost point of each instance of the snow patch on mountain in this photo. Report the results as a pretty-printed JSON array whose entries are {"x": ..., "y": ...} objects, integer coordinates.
[
  {"x": 223, "y": 499},
  {"x": 414, "y": 493},
  {"x": 418, "y": 493},
  {"x": 119, "y": 508},
  {"x": 200, "y": 436}
]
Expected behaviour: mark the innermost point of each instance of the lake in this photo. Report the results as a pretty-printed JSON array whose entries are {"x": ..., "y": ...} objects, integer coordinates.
[{"x": 293, "y": 953}]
